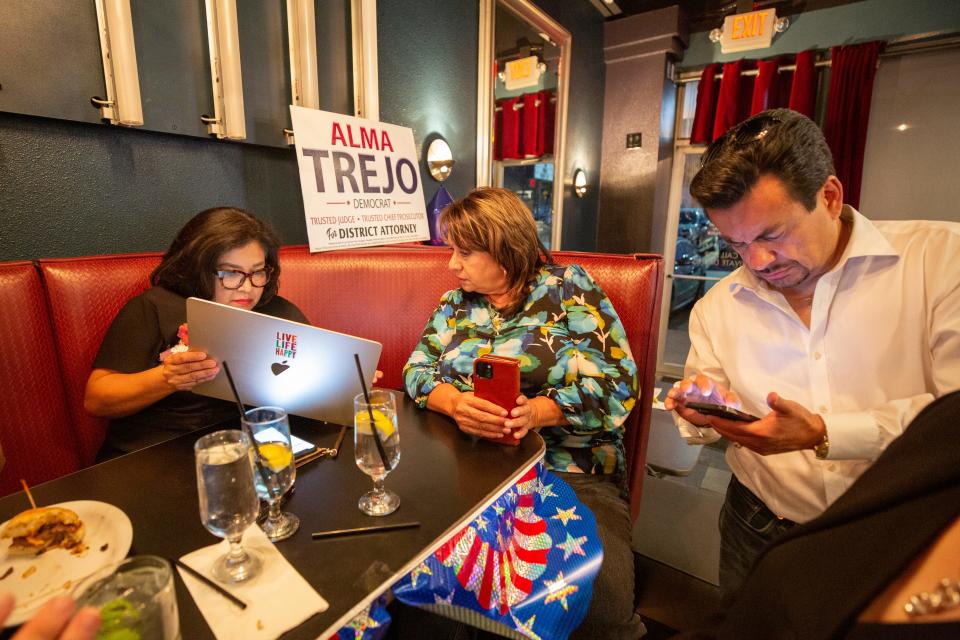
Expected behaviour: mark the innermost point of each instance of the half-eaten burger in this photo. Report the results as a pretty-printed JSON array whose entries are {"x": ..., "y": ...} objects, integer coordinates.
[{"x": 38, "y": 530}]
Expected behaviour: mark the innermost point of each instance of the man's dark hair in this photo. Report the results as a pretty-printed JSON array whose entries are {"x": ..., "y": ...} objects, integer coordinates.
[
  {"x": 780, "y": 143},
  {"x": 189, "y": 266}
]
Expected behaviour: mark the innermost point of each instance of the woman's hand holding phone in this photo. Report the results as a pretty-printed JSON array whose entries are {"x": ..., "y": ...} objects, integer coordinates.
[
  {"x": 533, "y": 413},
  {"x": 478, "y": 417}
]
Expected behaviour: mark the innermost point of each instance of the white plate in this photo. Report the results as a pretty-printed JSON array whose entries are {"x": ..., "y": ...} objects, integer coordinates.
[{"x": 108, "y": 536}]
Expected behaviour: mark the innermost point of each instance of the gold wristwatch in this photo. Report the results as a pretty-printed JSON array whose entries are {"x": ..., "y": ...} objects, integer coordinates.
[{"x": 822, "y": 448}]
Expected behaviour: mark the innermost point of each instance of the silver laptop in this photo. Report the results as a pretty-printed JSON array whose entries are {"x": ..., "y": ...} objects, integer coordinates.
[{"x": 306, "y": 370}]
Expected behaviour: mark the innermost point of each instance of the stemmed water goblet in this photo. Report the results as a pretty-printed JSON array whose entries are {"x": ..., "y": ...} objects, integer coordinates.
[
  {"x": 373, "y": 419},
  {"x": 270, "y": 429},
  {"x": 228, "y": 499}
]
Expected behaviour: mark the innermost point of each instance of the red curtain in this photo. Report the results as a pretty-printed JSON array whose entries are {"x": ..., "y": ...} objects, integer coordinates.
[
  {"x": 721, "y": 105},
  {"x": 702, "y": 131},
  {"x": 728, "y": 100},
  {"x": 509, "y": 129},
  {"x": 532, "y": 146},
  {"x": 852, "y": 70},
  {"x": 498, "y": 132},
  {"x": 524, "y": 125},
  {"x": 548, "y": 101},
  {"x": 803, "y": 92},
  {"x": 765, "y": 87}
]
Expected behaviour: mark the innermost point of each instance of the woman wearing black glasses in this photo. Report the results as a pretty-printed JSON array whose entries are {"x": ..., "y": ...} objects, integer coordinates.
[{"x": 143, "y": 374}]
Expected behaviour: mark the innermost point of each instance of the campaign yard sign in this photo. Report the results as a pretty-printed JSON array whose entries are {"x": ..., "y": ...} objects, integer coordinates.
[{"x": 360, "y": 181}]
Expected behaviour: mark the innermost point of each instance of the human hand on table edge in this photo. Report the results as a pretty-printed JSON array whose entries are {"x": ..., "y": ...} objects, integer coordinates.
[
  {"x": 789, "y": 426},
  {"x": 482, "y": 418},
  {"x": 58, "y": 619}
]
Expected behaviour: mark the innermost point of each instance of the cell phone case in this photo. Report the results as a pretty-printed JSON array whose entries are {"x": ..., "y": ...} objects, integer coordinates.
[{"x": 502, "y": 388}]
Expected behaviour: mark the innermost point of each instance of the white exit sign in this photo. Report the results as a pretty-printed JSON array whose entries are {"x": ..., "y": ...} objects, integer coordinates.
[{"x": 746, "y": 31}]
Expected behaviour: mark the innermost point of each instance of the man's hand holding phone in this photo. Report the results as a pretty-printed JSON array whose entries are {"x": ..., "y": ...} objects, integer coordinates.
[
  {"x": 789, "y": 426},
  {"x": 699, "y": 389}
]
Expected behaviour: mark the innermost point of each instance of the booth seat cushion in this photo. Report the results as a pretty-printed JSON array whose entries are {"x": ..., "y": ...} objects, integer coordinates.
[
  {"x": 36, "y": 437},
  {"x": 84, "y": 295},
  {"x": 388, "y": 293}
]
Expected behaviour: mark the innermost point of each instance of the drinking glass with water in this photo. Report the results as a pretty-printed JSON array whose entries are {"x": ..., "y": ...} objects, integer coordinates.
[
  {"x": 369, "y": 457},
  {"x": 270, "y": 428},
  {"x": 228, "y": 500}
]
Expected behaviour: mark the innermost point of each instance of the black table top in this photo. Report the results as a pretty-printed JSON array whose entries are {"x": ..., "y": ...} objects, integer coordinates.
[{"x": 444, "y": 479}]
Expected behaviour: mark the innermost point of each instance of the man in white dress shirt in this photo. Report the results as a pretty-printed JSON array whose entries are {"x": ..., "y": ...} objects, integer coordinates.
[{"x": 836, "y": 330}]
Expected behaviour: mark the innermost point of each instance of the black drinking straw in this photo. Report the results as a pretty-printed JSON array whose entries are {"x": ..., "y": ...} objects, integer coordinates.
[
  {"x": 243, "y": 427},
  {"x": 373, "y": 426}
]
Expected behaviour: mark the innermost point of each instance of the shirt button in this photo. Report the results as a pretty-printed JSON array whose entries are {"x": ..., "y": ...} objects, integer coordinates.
[
  {"x": 823, "y": 408},
  {"x": 831, "y": 467},
  {"x": 817, "y": 355}
]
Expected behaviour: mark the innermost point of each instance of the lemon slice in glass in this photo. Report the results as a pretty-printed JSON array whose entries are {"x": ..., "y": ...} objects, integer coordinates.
[
  {"x": 276, "y": 455},
  {"x": 384, "y": 424}
]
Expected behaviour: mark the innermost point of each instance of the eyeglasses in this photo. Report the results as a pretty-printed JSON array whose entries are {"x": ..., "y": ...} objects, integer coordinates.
[
  {"x": 234, "y": 279},
  {"x": 742, "y": 135}
]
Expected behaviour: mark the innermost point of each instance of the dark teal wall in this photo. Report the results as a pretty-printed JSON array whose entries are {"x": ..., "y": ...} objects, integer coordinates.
[
  {"x": 585, "y": 118},
  {"x": 427, "y": 54},
  {"x": 428, "y": 81},
  {"x": 70, "y": 188},
  {"x": 846, "y": 24}
]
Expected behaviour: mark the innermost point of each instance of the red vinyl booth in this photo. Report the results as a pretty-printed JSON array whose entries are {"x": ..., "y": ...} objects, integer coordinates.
[
  {"x": 85, "y": 295},
  {"x": 382, "y": 293},
  {"x": 36, "y": 437}
]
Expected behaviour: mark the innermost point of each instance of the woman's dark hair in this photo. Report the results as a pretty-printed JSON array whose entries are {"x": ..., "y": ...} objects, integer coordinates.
[
  {"x": 496, "y": 221},
  {"x": 189, "y": 266},
  {"x": 780, "y": 143}
]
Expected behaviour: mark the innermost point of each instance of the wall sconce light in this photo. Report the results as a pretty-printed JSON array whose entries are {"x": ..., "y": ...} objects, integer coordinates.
[
  {"x": 579, "y": 183},
  {"x": 122, "y": 104},
  {"x": 440, "y": 160},
  {"x": 228, "y": 120},
  {"x": 302, "y": 40}
]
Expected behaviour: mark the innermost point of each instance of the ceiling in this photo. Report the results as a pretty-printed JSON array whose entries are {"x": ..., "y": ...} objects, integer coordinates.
[{"x": 704, "y": 15}]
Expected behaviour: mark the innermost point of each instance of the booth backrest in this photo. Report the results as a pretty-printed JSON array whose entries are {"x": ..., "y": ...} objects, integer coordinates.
[
  {"x": 85, "y": 295},
  {"x": 388, "y": 293},
  {"x": 382, "y": 293},
  {"x": 36, "y": 436}
]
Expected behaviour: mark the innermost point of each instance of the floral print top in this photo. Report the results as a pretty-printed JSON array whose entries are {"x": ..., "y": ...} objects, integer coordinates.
[{"x": 571, "y": 346}]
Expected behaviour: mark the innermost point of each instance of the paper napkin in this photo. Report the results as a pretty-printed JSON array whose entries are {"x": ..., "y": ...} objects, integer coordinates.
[
  {"x": 657, "y": 402},
  {"x": 277, "y": 600}
]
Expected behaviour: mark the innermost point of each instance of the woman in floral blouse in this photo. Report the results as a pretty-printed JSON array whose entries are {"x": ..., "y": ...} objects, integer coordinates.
[{"x": 578, "y": 377}]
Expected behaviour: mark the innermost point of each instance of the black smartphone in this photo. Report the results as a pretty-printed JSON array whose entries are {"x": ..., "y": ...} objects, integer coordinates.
[{"x": 720, "y": 411}]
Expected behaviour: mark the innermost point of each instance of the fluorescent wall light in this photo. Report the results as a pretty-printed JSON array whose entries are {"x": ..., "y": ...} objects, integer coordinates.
[
  {"x": 122, "y": 104},
  {"x": 228, "y": 120},
  {"x": 302, "y": 43},
  {"x": 366, "y": 95},
  {"x": 302, "y": 37}
]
